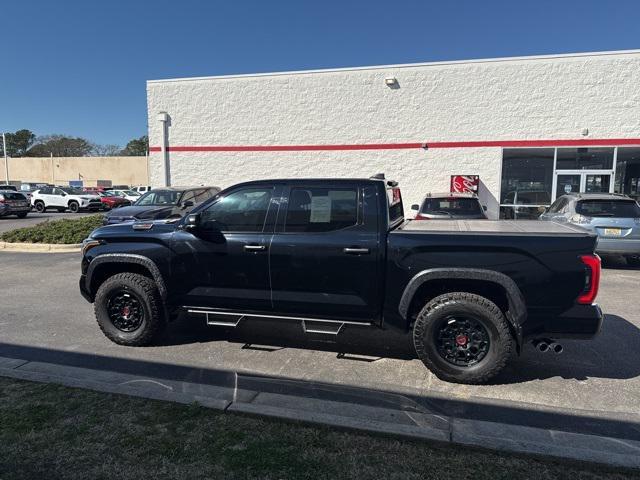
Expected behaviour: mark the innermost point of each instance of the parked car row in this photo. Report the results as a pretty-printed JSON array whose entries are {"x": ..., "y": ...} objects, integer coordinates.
[
  {"x": 614, "y": 218},
  {"x": 13, "y": 202}
]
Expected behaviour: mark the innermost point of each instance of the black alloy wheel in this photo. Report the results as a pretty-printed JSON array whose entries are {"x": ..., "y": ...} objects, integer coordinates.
[
  {"x": 462, "y": 341},
  {"x": 125, "y": 310}
]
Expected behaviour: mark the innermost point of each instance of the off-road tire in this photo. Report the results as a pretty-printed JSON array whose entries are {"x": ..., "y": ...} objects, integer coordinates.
[
  {"x": 480, "y": 309},
  {"x": 74, "y": 207},
  {"x": 22, "y": 215},
  {"x": 39, "y": 206},
  {"x": 145, "y": 289}
]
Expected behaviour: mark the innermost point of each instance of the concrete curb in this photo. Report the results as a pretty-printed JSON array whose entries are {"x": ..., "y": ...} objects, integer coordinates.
[
  {"x": 342, "y": 407},
  {"x": 40, "y": 247}
]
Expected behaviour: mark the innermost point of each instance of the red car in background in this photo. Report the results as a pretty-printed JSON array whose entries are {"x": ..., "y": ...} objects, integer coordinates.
[{"x": 111, "y": 200}]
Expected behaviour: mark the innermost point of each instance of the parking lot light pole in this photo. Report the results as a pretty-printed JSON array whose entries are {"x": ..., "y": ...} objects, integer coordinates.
[{"x": 6, "y": 161}]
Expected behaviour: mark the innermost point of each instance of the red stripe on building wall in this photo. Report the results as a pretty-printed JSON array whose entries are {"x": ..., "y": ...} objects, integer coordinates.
[{"x": 582, "y": 142}]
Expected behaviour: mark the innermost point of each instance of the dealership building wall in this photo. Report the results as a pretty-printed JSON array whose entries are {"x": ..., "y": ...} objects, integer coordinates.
[
  {"x": 119, "y": 170},
  {"x": 522, "y": 124}
]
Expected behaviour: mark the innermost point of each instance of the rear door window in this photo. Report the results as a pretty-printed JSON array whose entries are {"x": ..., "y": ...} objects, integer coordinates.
[
  {"x": 608, "y": 208},
  {"x": 318, "y": 209}
]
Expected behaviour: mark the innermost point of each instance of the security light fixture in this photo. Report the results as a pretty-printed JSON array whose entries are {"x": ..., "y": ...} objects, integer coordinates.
[{"x": 391, "y": 81}]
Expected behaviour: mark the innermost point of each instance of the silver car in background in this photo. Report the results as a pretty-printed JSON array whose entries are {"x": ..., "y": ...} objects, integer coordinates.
[{"x": 614, "y": 218}]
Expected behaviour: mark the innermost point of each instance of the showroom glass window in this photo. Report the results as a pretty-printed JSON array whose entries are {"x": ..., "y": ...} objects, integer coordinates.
[
  {"x": 527, "y": 181},
  {"x": 585, "y": 158},
  {"x": 628, "y": 172}
]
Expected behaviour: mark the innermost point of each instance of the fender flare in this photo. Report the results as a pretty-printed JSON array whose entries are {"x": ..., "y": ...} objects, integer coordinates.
[
  {"x": 517, "y": 309},
  {"x": 128, "y": 258}
]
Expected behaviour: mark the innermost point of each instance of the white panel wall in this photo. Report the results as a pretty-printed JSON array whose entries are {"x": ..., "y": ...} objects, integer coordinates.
[{"x": 511, "y": 99}]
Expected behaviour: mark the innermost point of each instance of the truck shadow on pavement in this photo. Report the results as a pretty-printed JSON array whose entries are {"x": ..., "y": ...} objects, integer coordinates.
[{"x": 613, "y": 354}]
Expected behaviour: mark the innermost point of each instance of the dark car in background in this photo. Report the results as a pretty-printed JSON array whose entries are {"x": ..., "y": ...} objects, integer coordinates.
[
  {"x": 162, "y": 203},
  {"x": 13, "y": 203},
  {"x": 448, "y": 206},
  {"x": 614, "y": 218}
]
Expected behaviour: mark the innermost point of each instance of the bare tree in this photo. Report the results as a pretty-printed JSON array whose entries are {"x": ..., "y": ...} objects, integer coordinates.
[{"x": 108, "y": 150}]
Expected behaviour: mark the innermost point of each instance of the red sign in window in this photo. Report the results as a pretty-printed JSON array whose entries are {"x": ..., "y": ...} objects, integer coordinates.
[{"x": 464, "y": 183}]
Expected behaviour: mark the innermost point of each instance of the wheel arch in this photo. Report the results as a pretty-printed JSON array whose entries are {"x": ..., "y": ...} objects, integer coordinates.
[
  {"x": 108, "y": 264},
  {"x": 495, "y": 286}
]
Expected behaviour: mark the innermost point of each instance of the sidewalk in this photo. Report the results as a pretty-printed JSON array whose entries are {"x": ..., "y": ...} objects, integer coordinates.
[{"x": 588, "y": 436}]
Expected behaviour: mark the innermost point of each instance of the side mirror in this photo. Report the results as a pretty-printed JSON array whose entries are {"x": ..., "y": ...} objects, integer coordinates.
[
  {"x": 415, "y": 206},
  {"x": 192, "y": 222},
  {"x": 484, "y": 207},
  {"x": 187, "y": 204}
]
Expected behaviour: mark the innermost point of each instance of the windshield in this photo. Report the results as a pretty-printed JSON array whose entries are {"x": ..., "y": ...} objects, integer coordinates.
[
  {"x": 159, "y": 197},
  {"x": 451, "y": 206},
  {"x": 608, "y": 208},
  {"x": 130, "y": 193},
  {"x": 10, "y": 195},
  {"x": 73, "y": 191}
]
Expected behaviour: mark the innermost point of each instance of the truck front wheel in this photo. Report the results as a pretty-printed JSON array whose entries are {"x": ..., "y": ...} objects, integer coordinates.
[
  {"x": 129, "y": 309},
  {"x": 462, "y": 338}
]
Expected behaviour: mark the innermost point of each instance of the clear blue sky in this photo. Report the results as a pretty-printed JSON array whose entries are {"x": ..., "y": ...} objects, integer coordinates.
[{"x": 79, "y": 67}]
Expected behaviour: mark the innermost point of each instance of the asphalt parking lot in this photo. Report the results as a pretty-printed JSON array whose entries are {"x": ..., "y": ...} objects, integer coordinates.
[
  {"x": 41, "y": 308},
  {"x": 11, "y": 223}
]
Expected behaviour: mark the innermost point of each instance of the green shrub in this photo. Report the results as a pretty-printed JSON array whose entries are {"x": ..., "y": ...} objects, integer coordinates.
[{"x": 64, "y": 231}]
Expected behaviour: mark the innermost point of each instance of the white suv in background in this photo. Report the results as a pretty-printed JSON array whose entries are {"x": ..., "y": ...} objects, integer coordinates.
[
  {"x": 61, "y": 198},
  {"x": 141, "y": 189},
  {"x": 130, "y": 195}
]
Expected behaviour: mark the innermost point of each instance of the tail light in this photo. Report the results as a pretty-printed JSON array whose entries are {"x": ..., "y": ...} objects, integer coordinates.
[
  {"x": 420, "y": 217},
  {"x": 591, "y": 280},
  {"x": 2, "y": 199}
]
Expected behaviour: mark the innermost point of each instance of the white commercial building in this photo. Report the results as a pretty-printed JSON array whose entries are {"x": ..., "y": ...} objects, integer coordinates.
[{"x": 531, "y": 128}]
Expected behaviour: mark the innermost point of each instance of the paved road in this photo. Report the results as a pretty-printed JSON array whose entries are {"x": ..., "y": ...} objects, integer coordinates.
[
  {"x": 41, "y": 307},
  {"x": 11, "y": 223}
]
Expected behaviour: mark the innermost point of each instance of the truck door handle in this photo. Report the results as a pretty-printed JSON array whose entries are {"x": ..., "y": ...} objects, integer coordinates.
[
  {"x": 254, "y": 248},
  {"x": 355, "y": 251}
]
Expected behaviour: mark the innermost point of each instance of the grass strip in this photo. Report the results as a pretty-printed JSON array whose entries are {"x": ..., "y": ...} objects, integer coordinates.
[{"x": 51, "y": 431}]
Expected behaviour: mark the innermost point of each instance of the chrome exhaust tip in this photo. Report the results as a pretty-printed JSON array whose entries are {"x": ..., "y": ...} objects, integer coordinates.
[
  {"x": 556, "y": 348},
  {"x": 541, "y": 346}
]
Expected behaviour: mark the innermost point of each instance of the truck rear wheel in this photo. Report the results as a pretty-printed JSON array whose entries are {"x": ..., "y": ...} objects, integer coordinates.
[
  {"x": 129, "y": 309},
  {"x": 462, "y": 338}
]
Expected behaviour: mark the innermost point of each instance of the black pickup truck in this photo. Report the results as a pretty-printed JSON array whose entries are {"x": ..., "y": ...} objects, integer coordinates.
[{"x": 330, "y": 254}]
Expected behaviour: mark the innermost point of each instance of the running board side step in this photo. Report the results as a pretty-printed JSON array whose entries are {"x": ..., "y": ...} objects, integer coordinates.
[
  {"x": 309, "y": 325},
  {"x": 217, "y": 319}
]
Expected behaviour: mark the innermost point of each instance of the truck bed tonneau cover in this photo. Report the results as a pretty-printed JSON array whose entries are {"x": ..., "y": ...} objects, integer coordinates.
[{"x": 517, "y": 227}]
